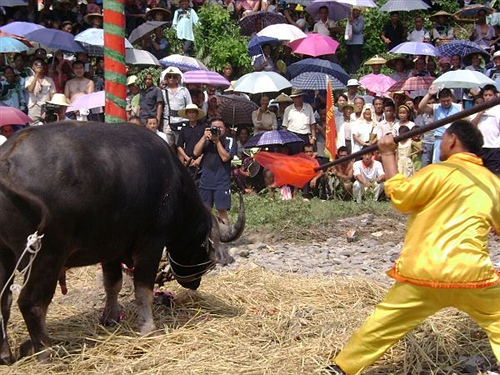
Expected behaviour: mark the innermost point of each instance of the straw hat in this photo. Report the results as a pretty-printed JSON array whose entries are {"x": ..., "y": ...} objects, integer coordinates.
[
  {"x": 467, "y": 59},
  {"x": 346, "y": 105},
  {"x": 391, "y": 64},
  {"x": 171, "y": 70},
  {"x": 89, "y": 18},
  {"x": 131, "y": 80},
  {"x": 296, "y": 93},
  {"x": 58, "y": 99},
  {"x": 183, "y": 112},
  {"x": 151, "y": 14},
  {"x": 283, "y": 98},
  {"x": 376, "y": 60},
  {"x": 435, "y": 16},
  {"x": 496, "y": 55}
]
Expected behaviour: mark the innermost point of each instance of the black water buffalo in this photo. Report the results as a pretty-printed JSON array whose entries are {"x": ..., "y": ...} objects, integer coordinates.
[{"x": 99, "y": 193}]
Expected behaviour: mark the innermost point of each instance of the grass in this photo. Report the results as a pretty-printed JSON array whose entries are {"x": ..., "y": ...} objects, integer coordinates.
[{"x": 298, "y": 219}]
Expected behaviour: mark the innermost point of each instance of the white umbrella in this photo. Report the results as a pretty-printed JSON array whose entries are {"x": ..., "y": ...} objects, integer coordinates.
[
  {"x": 403, "y": 5},
  {"x": 182, "y": 62},
  {"x": 93, "y": 41},
  {"x": 463, "y": 79},
  {"x": 140, "y": 57},
  {"x": 259, "y": 82},
  {"x": 357, "y": 3},
  {"x": 282, "y": 31}
]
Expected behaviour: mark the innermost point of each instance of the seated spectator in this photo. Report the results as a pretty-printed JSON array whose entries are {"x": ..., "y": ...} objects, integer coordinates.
[
  {"x": 473, "y": 62},
  {"x": 245, "y": 7},
  {"x": 369, "y": 178},
  {"x": 7, "y": 131},
  {"x": 263, "y": 119},
  {"x": 11, "y": 90},
  {"x": 242, "y": 136},
  {"x": 401, "y": 67},
  {"x": 317, "y": 186},
  {"x": 482, "y": 33},
  {"x": 456, "y": 62},
  {"x": 341, "y": 176},
  {"x": 444, "y": 65}
]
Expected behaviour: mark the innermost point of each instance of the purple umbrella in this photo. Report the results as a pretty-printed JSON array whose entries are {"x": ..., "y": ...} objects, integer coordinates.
[
  {"x": 88, "y": 101},
  {"x": 206, "y": 77},
  {"x": 271, "y": 138},
  {"x": 56, "y": 39},
  {"x": 20, "y": 28},
  {"x": 336, "y": 11},
  {"x": 415, "y": 48}
]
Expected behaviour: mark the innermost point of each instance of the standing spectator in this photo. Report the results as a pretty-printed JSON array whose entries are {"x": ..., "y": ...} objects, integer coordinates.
[
  {"x": 444, "y": 109},
  {"x": 393, "y": 33},
  {"x": 445, "y": 261},
  {"x": 299, "y": 119},
  {"x": 488, "y": 122},
  {"x": 150, "y": 100},
  {"x": 218, "y": 151},
  {"x": 135, "y": 14},
  {"x": 442, "y": 30},
  {"x": 20, "y": 66},
  {"x": 364, "y": 129},
  {"x": 265, "y": 61},
  {"x": 40, "y": 89},
  {"x": 378, "y": 107},
  {"x": 153, "y": 125},
  {"x": 175, "y": 97},
  {"x": 133, "y": 98},
  {"x": 473, "y": 62},
  {"x": 456, "y": 62},
  {"x": 263, "y": 119},
  {"x": 354, "y": 44},
  {"x": 324, "y": 26},
  {"x": 353, "y": 86},
  {"x": 494, "y": 72},
  {"x": 80, "y": 85},
  {"x": 389, "y": 123},
  {"x": 156, "y": 44},
  {"x": 184, "y": 20},
  {"x": 347, "y": 109},
  {"x": 368, "y": 176},
  {"x": 189, "y": 136},
  {"x": 482, "y": 33},
  {"x": 245, "y": 7},
  {"x": 401, "y": 67},
  {"x": 419, "y": 34},
  {"x": 11, "y": 92},
  {"x": 444, "y": 65}
]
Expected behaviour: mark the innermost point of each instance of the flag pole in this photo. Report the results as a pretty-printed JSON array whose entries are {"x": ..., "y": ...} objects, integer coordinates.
[{"x": 418, "y": 131}]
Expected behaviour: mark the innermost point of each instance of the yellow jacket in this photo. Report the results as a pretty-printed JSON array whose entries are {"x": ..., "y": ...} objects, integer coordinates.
[{"x": 452, "y": 207}]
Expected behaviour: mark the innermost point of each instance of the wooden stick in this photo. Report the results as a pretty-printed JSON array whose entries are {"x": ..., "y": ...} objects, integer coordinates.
[{"x": 417, "y": 131}]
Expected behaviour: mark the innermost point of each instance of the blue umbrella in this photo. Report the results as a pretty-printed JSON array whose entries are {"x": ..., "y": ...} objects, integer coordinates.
[
  {"x": 56, "y": 39},
  {"x": 315, "y": 81},
  {"x": 318, "y": 65},
  {"x": 458, "y": 47},
  {"x": 255, "y": 44},
  {"x": 13, "y": 3},
  {"x": 271, "y": 138},
  {"x": 8, "y": 45},
  {"x": 20, "y": 28},
  {"x": 415, "y": 48}
]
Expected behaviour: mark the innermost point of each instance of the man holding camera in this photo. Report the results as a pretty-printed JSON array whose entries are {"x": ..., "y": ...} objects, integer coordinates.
[
  {"x": 40, "y": 89},
  {"x": 217, "y": 151}
]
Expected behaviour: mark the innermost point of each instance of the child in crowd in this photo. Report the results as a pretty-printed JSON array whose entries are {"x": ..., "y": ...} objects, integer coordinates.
[
  {"x": 404, "y": 152},
  {"x": 184, "y": 20}
]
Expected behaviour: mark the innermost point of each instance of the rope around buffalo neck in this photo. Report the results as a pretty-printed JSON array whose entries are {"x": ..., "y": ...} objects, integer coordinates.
[{"x": 33, "y": 246}]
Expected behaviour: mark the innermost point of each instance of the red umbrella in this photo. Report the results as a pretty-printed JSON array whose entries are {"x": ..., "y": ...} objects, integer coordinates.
[
  {"x": 412, "y": 84},
  {"x": 13, "y": 116}
]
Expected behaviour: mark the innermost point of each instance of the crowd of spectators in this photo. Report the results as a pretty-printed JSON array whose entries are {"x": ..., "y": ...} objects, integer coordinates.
[{"x": 35, "y": 82}]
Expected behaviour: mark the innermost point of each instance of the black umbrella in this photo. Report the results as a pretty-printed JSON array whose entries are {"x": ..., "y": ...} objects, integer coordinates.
[
  {"x": 145, "y": 29},
  {"x": 236, "y": 109}
]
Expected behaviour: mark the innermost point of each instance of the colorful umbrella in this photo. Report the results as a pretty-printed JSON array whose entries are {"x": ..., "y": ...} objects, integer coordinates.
[
  {"x": 56, "y": 39},
  {"x": 336, "y": 11},
  {"x": 469, "y": 13},
  {"x": 88, "y": 101},
  {"x": 318, "y": 65},
  {"x": 182, "y": 62},
  {"x": 144, "y": 30},
  {"x": 236, "y": 109},
  {"x": 93, "y": 41},
  {"x": 13, "y": 116},
  {"x": 247, "y": 23},
  {"x": 377, "y": 83},
  {"x": 206, "y": 77},
  {"x": 140, "y": 57},
  {"x": 272, "y": 138},
  {"x": 255, "y": 44},
  {"x": 463, "y": 79},
  {"x": 314, "y": 45},
  {"x": 412, "y": 84},
  {"x": 20, "y": 28},
  {"x": 415, "y": 48},
  {"x": 282, "y": 31},
  {"x": 315, "y": 81},
  {"x": 403, "y": 6},
  {"x": 458, "y": 47},
  {"x": 8, "y": 45},
  {"x": 259, "y": 82}
]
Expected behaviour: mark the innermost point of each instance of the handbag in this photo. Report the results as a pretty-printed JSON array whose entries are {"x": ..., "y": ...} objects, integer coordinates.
[{"x": 348, "y": 31}]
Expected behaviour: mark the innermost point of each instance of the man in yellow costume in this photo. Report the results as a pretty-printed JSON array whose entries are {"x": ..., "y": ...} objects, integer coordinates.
[{"x": 446, "y": 264}]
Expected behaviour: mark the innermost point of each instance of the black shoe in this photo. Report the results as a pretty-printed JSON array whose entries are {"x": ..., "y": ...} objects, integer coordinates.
[{"x": 334, "y": 370}]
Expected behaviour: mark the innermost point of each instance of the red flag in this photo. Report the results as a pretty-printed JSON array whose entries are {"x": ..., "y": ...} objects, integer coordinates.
[{"x": 331, "y": 128}]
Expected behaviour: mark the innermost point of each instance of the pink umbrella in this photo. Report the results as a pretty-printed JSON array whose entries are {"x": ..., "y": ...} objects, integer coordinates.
[
  {"x": 206, "y": 77},
  {"x": 88, "y": 101},
  {"x": 314, "y": 45},
  {"x": 13, "y": 116},
  {"x": 377, "y": 83}
]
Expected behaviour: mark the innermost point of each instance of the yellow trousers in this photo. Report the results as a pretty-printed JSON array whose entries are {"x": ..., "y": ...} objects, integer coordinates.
[{"x": 404, "y": 307}]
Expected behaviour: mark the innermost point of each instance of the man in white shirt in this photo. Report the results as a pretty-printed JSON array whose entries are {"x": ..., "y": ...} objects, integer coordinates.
[
  {"x": 324, "y": 25},
  {"x": 488, "y": 122},
  {"x": 419, "y": 34},
  {"x": 369, "y": 176}
]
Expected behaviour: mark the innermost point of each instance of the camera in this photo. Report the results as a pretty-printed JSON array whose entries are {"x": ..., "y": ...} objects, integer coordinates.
[
  {"x": 51, "y": 113},
  {"x": 215, "y": 131}
]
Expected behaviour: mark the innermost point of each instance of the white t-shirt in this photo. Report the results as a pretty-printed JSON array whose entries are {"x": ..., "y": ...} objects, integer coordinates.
[
  {"x": 299, "y": 121},
  {"x": 418, "y": 35},
  {"x": 368, "y": 173},
  {"x": 489, "y": 126},
  {"x": 321, "y": 27}
]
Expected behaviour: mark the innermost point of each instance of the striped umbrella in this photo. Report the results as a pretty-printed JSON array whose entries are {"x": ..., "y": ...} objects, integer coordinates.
[
  {"x": 315, "y": 81},
  {"x": 318, "y": 65},
  {"x": 114, "y": 61},
  {"x": 206, "y": 77},
  {"x": 458, "y": 47},
  {"x": 272, "y": 137},
  {"x": 403, "y": 6},
  {"x": 236, "y": 109},
  {"x": 412, "y": 84}
]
